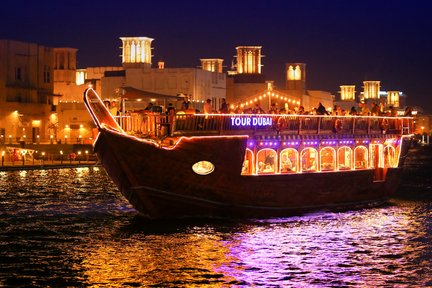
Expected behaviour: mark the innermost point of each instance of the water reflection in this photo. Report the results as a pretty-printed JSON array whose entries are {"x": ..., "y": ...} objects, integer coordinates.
[{"x": 71, "y": 227}]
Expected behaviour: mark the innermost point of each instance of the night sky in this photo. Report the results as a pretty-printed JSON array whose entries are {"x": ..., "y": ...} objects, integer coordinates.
[{"x": 342, "y": 42}]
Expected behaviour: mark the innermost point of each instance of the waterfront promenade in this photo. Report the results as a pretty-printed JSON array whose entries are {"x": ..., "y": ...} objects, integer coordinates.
[
  {"x": 46, "y": 156},
  {"x": 39, "y": 164}
]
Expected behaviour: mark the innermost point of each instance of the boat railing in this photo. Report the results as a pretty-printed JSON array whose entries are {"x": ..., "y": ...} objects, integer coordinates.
[{"x": 160, "y": 125}]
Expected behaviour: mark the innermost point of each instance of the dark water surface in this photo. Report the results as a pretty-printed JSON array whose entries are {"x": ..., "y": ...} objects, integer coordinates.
[{"x": 72, "y": 228}]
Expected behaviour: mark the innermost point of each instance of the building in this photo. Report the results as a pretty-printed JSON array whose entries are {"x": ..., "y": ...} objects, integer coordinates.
[
  {"x": 248, "y": 87},
  {"x": 197, "y": 84},
  {"x": 27, "y": 95}
]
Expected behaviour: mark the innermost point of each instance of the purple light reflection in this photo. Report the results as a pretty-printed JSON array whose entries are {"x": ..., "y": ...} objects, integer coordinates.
[{"x": 350, "y": 248}]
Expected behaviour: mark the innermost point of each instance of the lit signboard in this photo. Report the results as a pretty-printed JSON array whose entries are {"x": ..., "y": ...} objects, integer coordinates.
[{"x": 251, "y": 121}]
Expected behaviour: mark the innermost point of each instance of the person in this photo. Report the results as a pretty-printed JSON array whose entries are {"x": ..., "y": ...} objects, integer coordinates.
[
  {"x": 353, "y": 111},
  {"x": 286, "y": 163},
  {"x": 113, "y": 109},
  {"x": 170, "y": 112},
  {"x": 170, "y": 109},
  {"x": 269, "y": 160},
  {"x": 321, "y": 110},
  {"x": 393, "y": 111},
  {"x": 186, "y": 103},
  {"x": 338, "y": 111},
  {"x": 408, "y": 111},
  {"x": 301, "y": 110},
  {"x": 375, "y": 109},
  {"x": 273, "y": 109},
  {"x": 257, "y": 109},
  {"x": 149, "y": 107},
  {"x": 208, "y": 109},
  {"x": 224, "y": 107},
  {"x": 364, "y": 109},
  {"x": 107, "y": 104}
]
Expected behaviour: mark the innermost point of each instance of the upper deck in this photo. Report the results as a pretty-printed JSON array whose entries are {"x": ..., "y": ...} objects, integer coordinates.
[
  {"x": 159, "y": 126},
  {"x": 156, "y": 125}
]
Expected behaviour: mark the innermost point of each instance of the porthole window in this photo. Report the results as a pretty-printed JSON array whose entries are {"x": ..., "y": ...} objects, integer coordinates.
[{"x": 203, "y": 167}]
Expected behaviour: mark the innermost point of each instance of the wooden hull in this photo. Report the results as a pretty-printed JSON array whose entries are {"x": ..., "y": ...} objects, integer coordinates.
[{"x": 160, "y": 183}]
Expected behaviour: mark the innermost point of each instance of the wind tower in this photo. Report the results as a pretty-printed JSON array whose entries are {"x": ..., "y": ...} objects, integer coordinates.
[
  {"x": 136, "y": 52},
  {"x": 296, "y": 78},
  {"x": 393, "y": 98},
  {"x": 371, "y": 89},
  {"x": 347, "y": 92},
  {"x": 249, "y": 59},
  {"x": 212, "y": 65}
]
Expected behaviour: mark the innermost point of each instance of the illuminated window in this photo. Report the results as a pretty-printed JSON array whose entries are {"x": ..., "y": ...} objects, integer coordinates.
[
  {"x": 390, "y": 157},
  {"x": 133, "y": 52},
  {"x": 290, "y": 72},
  {"x": 361, "y": 157},
  {"x": 328, "y": 159},
  {"x": 249, "y": 63},
  {"x": 247, "y": 167},
  {"x": 288, "y": 160},
  {"x": 139, "y": 55},
  {"x": 309, "y": 160},
  {"x": 297, "y": 73},
  {"x": 266, "y": 161},
  {"x": 344, "y": 158},
  {"x": 126, "y": 52}
]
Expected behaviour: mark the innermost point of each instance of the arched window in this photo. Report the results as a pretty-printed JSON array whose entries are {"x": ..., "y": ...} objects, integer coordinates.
[
  {"x": 133, "y": 52},
  {"x": 288, "y": 160},
  {"x": 266, "y": 161},
  {"x": 361, "y": 157},
  {"x": 309, "y": 160},
  {"x": 291, "y": 73},
  {"x": 297, "y": 73},
  {"x": 328, "y": 159},
  {"x": 247, "y": 168},
  {"x": 250, "y": 63},
  {"x": 390, "y": 157},
  {"x": 344, "y": 158}
]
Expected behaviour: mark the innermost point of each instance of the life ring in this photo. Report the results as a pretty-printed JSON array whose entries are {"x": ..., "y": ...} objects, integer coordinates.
[
  {"x": 72, "y": 156},
  {"x": 338, "y": 125},
  {"x": 280, "y": 124}
]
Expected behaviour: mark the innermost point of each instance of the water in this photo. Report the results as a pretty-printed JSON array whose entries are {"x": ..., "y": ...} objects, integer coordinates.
[{"x": 71, "y": 228}]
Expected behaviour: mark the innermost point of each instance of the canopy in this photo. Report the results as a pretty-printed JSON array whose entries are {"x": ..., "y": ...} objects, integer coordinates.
[{"x": 131, "y": 93}]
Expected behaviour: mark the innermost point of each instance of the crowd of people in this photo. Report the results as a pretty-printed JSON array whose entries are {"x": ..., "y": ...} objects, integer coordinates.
[{"x": 361, "y": 109}]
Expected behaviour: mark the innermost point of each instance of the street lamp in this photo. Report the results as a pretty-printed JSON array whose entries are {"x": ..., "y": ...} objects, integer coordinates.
[
  {"x": 86, "y": 152},
  {"x": 23, "y": 152},
  {"x": 61, "y": 156},
  {"x": 3, "y": 153},
  {"x": 79, "y": 159},
  {"x": 43, "y": 157}
]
